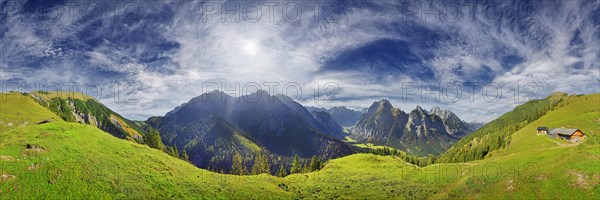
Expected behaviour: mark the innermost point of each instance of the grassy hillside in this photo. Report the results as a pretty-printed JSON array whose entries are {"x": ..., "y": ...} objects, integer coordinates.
[
  {"x": 496, "y": 134},
  {"x": 531, "y": 167},
  {"x": 538, "y": 167},
  {"x": 14, "y": 115},
  {"x": 78, "y": 107},
  {"x": 71, "y": 160}
]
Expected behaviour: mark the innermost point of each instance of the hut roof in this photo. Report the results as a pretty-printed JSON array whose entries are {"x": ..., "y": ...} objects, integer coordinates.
[{"x": 563, "y": 131}]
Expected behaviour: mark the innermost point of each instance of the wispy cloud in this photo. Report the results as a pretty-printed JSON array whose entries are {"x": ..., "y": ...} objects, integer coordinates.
[{"x": 169, "y": 49}]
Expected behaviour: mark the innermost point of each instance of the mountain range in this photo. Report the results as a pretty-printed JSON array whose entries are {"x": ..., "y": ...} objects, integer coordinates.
[
  {"x": 418, "y": 132},
  {"x": 212, "y": 126},
  {"x": 345, "y": 117},
  {"x": 45, "y": 157}
]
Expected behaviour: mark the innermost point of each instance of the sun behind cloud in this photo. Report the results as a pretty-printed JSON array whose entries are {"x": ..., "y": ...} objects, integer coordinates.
[{"x": 250, "y": 47}]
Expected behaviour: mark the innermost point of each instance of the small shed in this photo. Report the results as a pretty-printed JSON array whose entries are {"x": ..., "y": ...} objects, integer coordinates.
[
  {"x": 573, "y": 135},
  {"x": 542, "y": 130}
]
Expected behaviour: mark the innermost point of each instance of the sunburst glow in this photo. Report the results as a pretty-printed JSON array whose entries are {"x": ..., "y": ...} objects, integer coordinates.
[{"x": 250, "y": 47}]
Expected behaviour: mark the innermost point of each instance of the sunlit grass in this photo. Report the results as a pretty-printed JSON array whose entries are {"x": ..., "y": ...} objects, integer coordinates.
[{"x": 70, "y": 160}]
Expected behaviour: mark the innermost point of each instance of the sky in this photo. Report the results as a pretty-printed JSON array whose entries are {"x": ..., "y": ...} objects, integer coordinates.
[{"x": 478, "y": 59}]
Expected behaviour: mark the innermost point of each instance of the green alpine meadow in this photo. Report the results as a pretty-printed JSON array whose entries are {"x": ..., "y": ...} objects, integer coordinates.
[
  {"x": 297, "y": 99},
  {"x": 44, "y": 156}
]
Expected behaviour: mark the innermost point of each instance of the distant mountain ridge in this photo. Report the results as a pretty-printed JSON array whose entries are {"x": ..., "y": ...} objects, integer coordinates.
[
  {"x": 419, "y": 132},
  {"x": 321, "y": 123},
  {"x": 342, "y": 115}
]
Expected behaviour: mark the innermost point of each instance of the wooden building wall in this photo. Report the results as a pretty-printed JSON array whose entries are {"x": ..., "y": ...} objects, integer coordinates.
[{"x": 577, "y": 134}]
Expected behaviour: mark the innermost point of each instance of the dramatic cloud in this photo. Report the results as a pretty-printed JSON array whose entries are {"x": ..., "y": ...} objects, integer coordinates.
[{"x": 159, "y": 54}]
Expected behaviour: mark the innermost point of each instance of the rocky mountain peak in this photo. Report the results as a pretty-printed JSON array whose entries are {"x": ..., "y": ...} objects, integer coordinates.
[
  {"x": 418, "y": 108},
  {"x": 384, "y": 104},
  {"x": 419, "y": 131},
  {"x": 419, "y": 111},
  {"x": 436, "y": 109},
  {"x": 444, "y": 114}
]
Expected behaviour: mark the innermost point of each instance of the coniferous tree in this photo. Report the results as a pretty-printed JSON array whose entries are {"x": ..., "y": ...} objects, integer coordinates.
[
  {"x": 174, "y": 151},
  {"x": 296, "y": 166},
  {"x": 412, "y": 159},
  {"x": 315, "y": 163},
  {"x": 256, "y": 166},
  {"x": 282, "y": 172},
  {"x": 237, "y": 164},
  {"x": 430, "y": 159},
  {"x": 261, "y": 163},
  {"x": 185, "y": 156},
  {"x": 306, "y": 167},
  {"x": 153, "y": 140},
  {"x": 169, "y": 150},
  {"x": 265, "y": 167}
]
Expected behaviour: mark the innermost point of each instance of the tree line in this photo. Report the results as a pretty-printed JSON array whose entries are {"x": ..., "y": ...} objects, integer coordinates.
[
  {"x": 153, "y": 140},
  {"x": 416, "y": 160},
  {"x": 262, "y": 165},
  {"x": 261, "y": 162}
]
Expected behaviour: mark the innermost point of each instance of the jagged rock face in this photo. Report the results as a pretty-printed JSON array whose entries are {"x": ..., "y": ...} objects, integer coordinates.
[
  {"x": 375, "y": 124},
  {"x": 419, "y": 132},
  {"x": 424, "y": 124},
  {"x": 454, "y": 125}
]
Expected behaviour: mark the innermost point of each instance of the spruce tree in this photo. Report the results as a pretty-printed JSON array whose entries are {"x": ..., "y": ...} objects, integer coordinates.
[
  {"x": 306, "y": 167},
  {"x": 174, "y": 151},
  {"x": 265, "y": 167},
  {"x": 169, "y": 150},
  {"x": 296, "y": 166},
  {"x": 315, "y": 163},
  {"x": 153, "y": 140},
  {"x": 256, "y": 166},
  {"x": 237, "y": 164},
  {"x": 430, "y": 159},
  {"x": 184, "y": 156},
  {"x": 261, "y": 163},
  {"x": 282, "y": 172}
]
